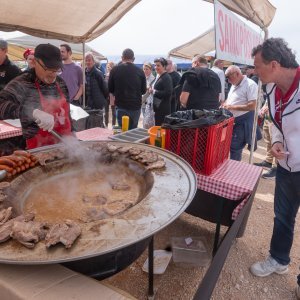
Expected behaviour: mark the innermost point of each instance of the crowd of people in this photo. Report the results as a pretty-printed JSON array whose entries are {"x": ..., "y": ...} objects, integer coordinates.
[{"x": 40, "y": 96}]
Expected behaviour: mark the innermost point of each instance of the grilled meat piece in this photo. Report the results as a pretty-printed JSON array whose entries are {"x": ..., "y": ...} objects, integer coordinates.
[
  {"x": 134, "y": 151},
  {"x": 44, "y": 157},
  {"x": 159, "y": 164},
  {"x": 65, "y": 233},
  {"x": 28, "y": 233},
  {"x": 112, "y": 148},
  {"x": 95, "y": 214},
  {"x": 94, "y": 200},
  {"x": 4, "y": 185},
  {"x": 2, "y": 196},
  {"x": 5, "y": 215},
  {"x": 120, "y": 187},
  {"x": 116, "y": 207},
  {"x": 124, "y": 149},
  {"x": 6, "y": 228},
  {"x": 147, "y": 157}
]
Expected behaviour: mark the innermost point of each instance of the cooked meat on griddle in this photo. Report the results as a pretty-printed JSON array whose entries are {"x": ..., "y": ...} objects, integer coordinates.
[
  {"x": 135, "y": 151},
  {"x": 120, "y": 187},
  {"x": 2, "y": 196},
  {"x": 95, "y": 200},
  {"x": 29, "y": 233},
  {"x": 112, "y": 148},
  {"x": 5, "y": 215},
  {"x": 124, "y": 149},
  {"x": 65, "y": 233},
  {"x": 148, "y": 157},
  {"x": 4, "y": 185},
  {"x": 159, "y": 164},
  {"x": 44, "y": 157},
  {"x": 95, "y": 214},
  {"x": 116, "y": 207},
  {"x": 6, "y": 228}
]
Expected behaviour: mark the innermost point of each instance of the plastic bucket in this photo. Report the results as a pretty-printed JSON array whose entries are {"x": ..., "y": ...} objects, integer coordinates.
[{"x": 152, "y": 133}]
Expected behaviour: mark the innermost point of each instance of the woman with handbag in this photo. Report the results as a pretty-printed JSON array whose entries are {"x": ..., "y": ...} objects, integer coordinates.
[{"x": 161, "y": 91}]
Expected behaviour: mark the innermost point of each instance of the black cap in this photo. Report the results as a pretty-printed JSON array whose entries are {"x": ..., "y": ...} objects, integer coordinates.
[{"x": 49, "y": 55}]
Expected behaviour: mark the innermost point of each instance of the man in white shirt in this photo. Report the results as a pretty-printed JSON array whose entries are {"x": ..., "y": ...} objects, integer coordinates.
[
  {"x": 241, "y": 102},
  {"x": 218, "y": 69}
]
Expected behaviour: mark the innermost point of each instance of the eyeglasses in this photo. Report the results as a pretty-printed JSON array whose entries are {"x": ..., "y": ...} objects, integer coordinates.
[
  {"x": 47, "y": 69},
  {"x": 230, "y": 74}
]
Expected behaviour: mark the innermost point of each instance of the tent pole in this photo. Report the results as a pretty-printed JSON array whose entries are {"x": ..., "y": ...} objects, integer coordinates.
[
  {"x": 257, "y": 108},
  {"x": 83, "y": 74}
]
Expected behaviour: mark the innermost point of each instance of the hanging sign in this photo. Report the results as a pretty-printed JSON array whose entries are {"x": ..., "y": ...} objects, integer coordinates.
[{"x": 234, "y": 39}]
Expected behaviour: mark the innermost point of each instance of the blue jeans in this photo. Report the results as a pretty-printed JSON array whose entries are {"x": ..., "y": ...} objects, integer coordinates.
[
  {"x": 238, "y": 142},
  {"x": 133, "y": 115},
  {"x": 286, "y": 205}
]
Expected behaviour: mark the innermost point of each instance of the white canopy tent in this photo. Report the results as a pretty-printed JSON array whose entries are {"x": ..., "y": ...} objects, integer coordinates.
[
  {"x": 201, "y": 45},
  {"x": 73, "y": 21},
  {"x": 259, "y": 12},
  {"x": 17, "y": 46}
]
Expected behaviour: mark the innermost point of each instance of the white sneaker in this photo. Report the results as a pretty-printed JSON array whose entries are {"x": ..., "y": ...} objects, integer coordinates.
[{"x": 267, "y": 267}]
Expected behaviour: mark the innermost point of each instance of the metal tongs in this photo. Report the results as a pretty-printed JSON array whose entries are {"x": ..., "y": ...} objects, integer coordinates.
[{"x": 58, "y": 136}]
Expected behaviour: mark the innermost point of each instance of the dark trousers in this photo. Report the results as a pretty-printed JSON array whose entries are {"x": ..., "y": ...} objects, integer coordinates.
[
  {"x": 286, "y": 205},
  {"x": 133, "y": 115},
  {"x": 238, "y": 142},
  {"x": 113, "y": 114}
]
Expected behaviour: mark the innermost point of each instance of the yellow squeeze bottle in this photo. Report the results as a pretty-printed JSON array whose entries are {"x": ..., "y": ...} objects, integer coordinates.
[
  {"x": 163, "y": 139},
  {"x": 125, "y": 123}
]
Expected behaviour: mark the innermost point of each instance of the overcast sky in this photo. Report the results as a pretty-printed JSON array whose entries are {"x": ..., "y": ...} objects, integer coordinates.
[{"x": 157, "y": 26}]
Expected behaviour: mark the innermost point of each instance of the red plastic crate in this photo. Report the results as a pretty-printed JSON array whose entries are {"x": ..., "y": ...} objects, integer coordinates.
[{"x": 204, "y": 148}]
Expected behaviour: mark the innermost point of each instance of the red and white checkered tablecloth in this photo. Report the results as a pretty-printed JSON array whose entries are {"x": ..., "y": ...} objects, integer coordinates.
[
  {"x": 8, "y": 131},
  {"x": 94, "y": 134},
  {"x": 234, "y": 180}
]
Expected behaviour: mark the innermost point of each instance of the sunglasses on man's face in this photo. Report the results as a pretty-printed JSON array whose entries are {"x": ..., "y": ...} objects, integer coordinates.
[
  {"x": 230, "y": 74},
  {"x": 47, "y": 69}
]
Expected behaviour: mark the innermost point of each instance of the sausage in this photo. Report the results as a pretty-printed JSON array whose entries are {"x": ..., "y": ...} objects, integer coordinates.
[
  {"x": 32, "y": 164},
  {"x": 6, "y": 161},
  {"x": 33, "y": 158},
  {"x": 6, "y": 168},
  {"x": 22, "y": 153},
  {"x": 25, "y": 158},
  {"x": 19, "y": 160}
]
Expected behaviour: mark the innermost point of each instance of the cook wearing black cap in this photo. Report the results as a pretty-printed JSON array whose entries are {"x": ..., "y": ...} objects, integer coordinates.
[{"x": 39, "y": 98}]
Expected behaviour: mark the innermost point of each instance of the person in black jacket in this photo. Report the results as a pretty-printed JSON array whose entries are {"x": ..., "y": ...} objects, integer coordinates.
[
  {"x": 175, "y": 76},
  {"x": 8, "y": 70},
  {"x": 96, "y": 92},
  {"x": 127, "y": 83},
  {"x": 162, "y": 91},
  {"x": 201, "y": 87},
  {"x": 96, "y": 88}
]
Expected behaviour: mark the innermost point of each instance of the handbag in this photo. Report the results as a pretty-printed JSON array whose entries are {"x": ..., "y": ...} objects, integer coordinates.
[
  {"x": 156, "y": 103},
  {"x": 149, "y": 116}
]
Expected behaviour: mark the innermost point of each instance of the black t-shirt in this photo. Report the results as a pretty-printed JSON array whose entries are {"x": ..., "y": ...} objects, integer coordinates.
[
  {"x": 203, "y": 97},
  {"x": 127, "y": 83},
  {"x": 8, "y": 71}
]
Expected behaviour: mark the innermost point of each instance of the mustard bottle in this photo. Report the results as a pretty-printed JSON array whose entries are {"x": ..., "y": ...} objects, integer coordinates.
[
  {"x": 163, "y": 139},
  {"x": 125, "y": 123}
]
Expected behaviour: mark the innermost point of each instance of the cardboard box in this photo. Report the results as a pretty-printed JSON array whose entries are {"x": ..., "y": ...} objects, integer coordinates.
[{"x": 52, "y": 282}]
